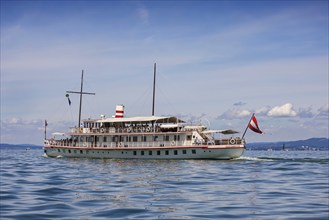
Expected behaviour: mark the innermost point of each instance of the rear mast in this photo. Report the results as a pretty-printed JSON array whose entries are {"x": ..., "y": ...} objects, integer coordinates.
[{"x": 154, "y": 76}]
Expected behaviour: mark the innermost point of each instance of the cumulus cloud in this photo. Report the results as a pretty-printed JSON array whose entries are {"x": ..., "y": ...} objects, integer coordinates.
[
  {"x": 263, "y": 110},
  {"x": 285, "y": 110},
  {"x": 234, "y": 113}
]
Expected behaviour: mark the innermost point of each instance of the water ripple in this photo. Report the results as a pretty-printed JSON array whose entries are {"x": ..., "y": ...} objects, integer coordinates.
[{"x": 259, "y": 185}]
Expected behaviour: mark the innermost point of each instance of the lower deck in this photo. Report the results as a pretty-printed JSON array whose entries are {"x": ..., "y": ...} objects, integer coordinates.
[{"x": 200, "y": 152}]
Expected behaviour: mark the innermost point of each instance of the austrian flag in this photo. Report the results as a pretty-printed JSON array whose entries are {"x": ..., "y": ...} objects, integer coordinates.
[{"x": 253, "y": 125}]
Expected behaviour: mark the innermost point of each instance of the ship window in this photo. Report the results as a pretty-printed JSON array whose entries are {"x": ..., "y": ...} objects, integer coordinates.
[
  {"x": 144, "y": 138},
  {"x": 150, "y": 152},
  {"x": 59, "y": 150},
  {"x": 96, "y": 138},
  {"x": 166, "y": 138},
  {"x": 128, "y": 139},
  {"x": 135, "y": 138},
  {"x": 193, "y": 151},
  {"x": 188, "y": 137},
  {"x": 81, "y": 152},
  {"x": 155, "y": 138},
  {"x": 184, "y": 151},
  {"x": 175, "y": 152},
  {"x": 104, "y": 139},
  {"x": 114, "y": 139},
  {"x": 142, "y": 152},
  {"x": 135, "y": 152},
  {"x": 167, "y": 152},
  {"x": 176, "y": 137},
  {"x": 69, "y": 151},
  {"x": 158, "y": 152}
]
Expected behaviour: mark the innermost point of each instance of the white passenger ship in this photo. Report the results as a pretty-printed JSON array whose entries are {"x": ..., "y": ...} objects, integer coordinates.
[{"x": 150, "y": 137}]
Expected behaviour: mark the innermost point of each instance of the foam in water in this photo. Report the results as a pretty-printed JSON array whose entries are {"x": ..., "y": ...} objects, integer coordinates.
[{"x": 252, "y": 159}]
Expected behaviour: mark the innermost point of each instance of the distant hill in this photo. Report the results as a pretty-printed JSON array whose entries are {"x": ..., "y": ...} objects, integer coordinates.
[{"x": 309, "y": 144}]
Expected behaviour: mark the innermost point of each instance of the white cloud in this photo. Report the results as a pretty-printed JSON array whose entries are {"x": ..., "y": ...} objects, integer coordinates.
[
  {"x": 234, "y": 114},
  {"x": 285, "y": 110},
  {"x": 263, "y": 110}
]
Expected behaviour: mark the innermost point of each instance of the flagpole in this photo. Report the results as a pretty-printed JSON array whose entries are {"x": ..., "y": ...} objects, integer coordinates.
[{"x": 247, "y": 125}]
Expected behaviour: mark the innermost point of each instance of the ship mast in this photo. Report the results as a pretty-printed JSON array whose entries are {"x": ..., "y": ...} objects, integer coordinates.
[
  {"x": 81, "y": 93},
  {"x": 155, "y": 65}
]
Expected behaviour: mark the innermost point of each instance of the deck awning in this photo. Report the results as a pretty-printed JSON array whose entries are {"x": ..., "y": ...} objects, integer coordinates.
[
  {"x": 146, "y": 119},
  {"x": 220, "y": 131}
]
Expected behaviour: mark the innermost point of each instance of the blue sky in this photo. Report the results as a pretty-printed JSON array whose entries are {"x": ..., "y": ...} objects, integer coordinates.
[{"x": 217, "y": 63}]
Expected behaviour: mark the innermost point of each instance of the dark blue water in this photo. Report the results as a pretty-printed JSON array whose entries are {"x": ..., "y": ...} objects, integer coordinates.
[{"x": 260, "y": 185}]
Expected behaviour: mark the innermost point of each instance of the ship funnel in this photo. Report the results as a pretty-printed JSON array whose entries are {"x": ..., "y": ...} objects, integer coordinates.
[{"x": 119, "y": 111}]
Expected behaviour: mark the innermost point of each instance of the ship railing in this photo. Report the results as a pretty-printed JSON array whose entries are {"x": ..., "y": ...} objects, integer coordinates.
[
  {"x": 229, "y": 141},
  {"x": 131, "y": 129},
  {"x": 129, "y": 144}
]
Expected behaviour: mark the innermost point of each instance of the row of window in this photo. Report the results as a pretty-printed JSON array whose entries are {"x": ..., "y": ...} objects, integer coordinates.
[
  {"x": 158, "y": 152},
  {"x": 142, "y": 153},
  {"x": 132, "y": 138}
]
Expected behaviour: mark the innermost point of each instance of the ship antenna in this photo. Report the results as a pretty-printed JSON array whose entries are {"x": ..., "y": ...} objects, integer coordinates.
[
  {"x": 155, "y": 65},
  {"x": 81, "y": 93}
]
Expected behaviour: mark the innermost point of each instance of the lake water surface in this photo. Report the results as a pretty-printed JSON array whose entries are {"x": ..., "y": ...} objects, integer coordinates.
[{"x": 259, "y": 185}]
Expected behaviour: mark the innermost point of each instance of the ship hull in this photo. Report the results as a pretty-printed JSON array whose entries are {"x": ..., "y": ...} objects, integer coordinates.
[{"x": 192, "y": 152}]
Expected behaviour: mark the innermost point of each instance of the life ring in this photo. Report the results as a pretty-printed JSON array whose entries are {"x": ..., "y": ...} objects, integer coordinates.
[
  {"x": 173, "y": 143},
  {"x": 102, "y": 130},
  {"x": 148, "y": 129},
  {"x": 129, "y": 129},
  {"x": 120, "y": 144},
  {"x": 232, "y": 141}
]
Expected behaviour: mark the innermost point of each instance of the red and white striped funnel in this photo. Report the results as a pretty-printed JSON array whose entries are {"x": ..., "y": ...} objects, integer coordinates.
[{"x": 119, "y": 111}]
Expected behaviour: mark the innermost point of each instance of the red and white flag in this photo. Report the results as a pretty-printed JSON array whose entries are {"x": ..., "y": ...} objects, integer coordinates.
[{"x": 253, "y": 125}]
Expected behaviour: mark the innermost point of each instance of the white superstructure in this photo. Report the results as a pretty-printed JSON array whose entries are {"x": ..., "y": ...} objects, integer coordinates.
[{"x": 150, "y": 137}]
